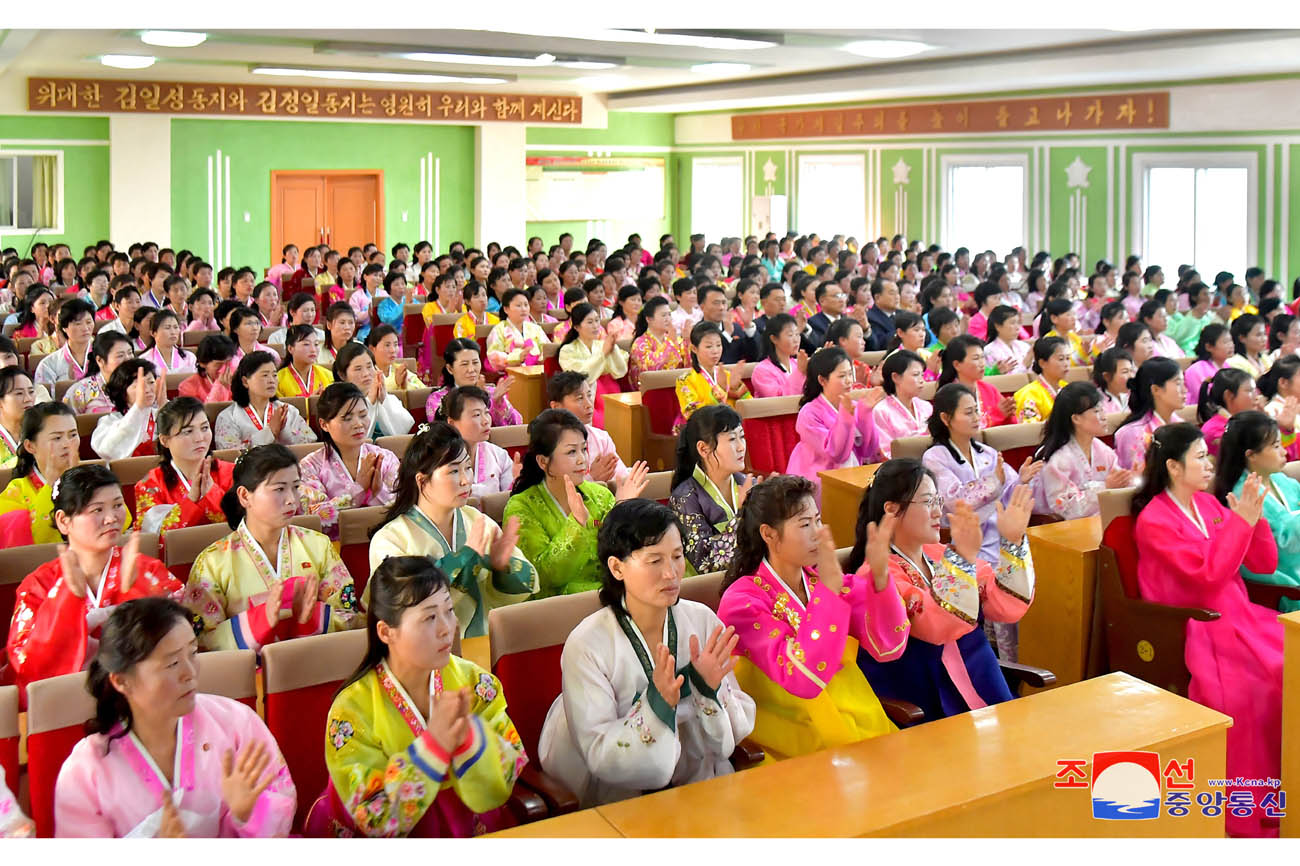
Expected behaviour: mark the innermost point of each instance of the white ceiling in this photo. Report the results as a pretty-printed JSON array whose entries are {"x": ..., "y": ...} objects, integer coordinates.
[{"x": 805, "y": 66}]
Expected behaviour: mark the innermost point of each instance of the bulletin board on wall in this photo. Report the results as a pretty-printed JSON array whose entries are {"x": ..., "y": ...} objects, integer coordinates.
[{"x": 563, "y": 188}]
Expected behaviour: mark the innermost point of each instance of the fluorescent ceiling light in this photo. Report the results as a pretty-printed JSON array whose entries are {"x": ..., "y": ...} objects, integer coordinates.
[
  {"x": 640, "y": 37},
  {"x": 127, "y": 61},
  {"x": 885, "y": 48},
  {"x": 479, "y": 59},
  {"x": 587, "y": 64},
  {"x": 686, "y": 40},
  {"x": 719, "y": 68},
  {"x": 374, "y": 75},
  {"x": 172, "y": 38}
]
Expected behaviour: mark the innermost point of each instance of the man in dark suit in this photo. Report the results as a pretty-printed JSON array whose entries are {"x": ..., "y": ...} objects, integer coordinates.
[
  {"x": 831, "y": 299},
  {"x": 739, "y": 342},
  {"x": 884, "y": 294}
]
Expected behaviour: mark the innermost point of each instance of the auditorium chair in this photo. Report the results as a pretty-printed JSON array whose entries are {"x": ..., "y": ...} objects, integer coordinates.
[
  {"x": 129, "y": 470},
  {"x": 1143, "y": 638},
  {"x": 1008, "y": 383},
  {"x": 659, "y": 408},
  {"x": 550, "y": 360},
  {"x": 412, "y": 328},
  {"x": 213, "y": 408},
  {"x": 299, "y": 450},
  {"x": 396, "y": 444},
  {"x": 58, "y": 707},
  {"x": 354, "y": 541},
  {"x": 770, "y": 435},
  {"x": 494, "y": 505},
  {"x": 1015, "y": 442},
  {"x": 416, "y": 400},
  {"x": 85, "y": 429},
  {"x": 174, "y": 384},
  {"x": 1078, "y": 374},
  {"x": 9, "y": 735},
  {"x": 513, "y": 438},
  {"x": 910, "y": 446},
  {"x": 928, "y": 390}
]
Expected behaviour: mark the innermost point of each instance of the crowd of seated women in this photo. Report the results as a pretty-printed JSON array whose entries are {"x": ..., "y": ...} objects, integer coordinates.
[{"x": 657, "y": 690}]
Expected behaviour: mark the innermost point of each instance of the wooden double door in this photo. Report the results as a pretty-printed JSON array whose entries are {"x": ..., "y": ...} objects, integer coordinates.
[{"x": 340, "y": 208}]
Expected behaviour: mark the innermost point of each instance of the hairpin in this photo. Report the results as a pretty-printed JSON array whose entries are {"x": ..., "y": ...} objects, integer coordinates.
[
  {"x": 423, "y": 428},
  {"x": 54, "y": 488}
]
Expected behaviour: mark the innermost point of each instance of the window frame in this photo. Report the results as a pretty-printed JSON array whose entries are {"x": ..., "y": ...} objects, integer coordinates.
[
  {"x": 732, "y": 161},
  {"x": 1144, "y": 162},
  {"x": 842, "y": 158},
  {"x": 59, "y": 210},
  {"x": 948, "y": 162}
]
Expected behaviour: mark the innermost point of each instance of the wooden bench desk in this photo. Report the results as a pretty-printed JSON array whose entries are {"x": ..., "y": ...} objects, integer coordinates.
[
  {"x": 625, "y": 424},
  {"x": 987, "y": 773},
  {"x": 1290, "y": 715},
  {"x": 1057, "y": 631},
  {"x": 842, "y": 491},
  {"x": 528, "y": 394}
]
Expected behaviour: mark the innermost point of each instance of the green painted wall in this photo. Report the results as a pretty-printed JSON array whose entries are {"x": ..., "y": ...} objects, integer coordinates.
[
  {"x": 85, "y": 175},
  {"x": 901, "y": 202},
  {"x": 256, "y": 148}
]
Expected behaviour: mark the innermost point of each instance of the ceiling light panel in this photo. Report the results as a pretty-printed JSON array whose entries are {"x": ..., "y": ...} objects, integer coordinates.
[
  {"x": 127, "y": 61},
  {"x": 478, "y": 59},
  {"x": 172, "y": 38},
  {"x": 885, "y": 48},
  {"x": 720, "y": 68}
]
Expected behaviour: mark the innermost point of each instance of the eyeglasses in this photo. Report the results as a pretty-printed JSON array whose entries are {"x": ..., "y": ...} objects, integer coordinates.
[{"x": 931, "y": 503}]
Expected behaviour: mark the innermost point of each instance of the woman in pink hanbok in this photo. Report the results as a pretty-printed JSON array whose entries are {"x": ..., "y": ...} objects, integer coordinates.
[
  {"x": 835, "y": 423},
  {"x": 902, "y": 413},
  {"x": 784, "y": 365},
  {"x": 1190, "y": 552},
  {"x": 1077, "y": 464},
  {"x": 224, "y": 775},
  {"x": 1213, "y": 349},
  {"x": 1157, "y": 393}
]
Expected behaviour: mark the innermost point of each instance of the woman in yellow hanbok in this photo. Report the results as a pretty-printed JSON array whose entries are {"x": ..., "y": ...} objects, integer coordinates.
[
  {"x": 268, "y": 581},
  {"x": 707, "y": 383},
  {"x": 417, "y": 741},
  {"x": 1051, "y": 362}
]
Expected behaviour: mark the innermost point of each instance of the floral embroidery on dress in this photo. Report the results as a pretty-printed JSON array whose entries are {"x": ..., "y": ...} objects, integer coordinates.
[
  {"x": 485, "y": 689},
  {"x": 340, "y": 732}
]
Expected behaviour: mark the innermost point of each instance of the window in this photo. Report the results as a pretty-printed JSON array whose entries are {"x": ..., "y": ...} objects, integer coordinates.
[
  {"x": 832, "y": 195},
  {"x": 984, "y": 202},
  {"x": 1198, "y": 215},
  {"x": 717, "y": 197},
  {"x": 29, "y": 190}
]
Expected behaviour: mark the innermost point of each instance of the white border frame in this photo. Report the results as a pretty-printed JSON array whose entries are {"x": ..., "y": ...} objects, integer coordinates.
[
  {"x": 1248, "y": 160},
  {"x": 947, "y": 162},
  {"x": 57, "y": 228}
]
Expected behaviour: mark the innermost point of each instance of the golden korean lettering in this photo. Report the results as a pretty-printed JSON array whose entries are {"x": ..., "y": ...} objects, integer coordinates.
[
  {"x": 936, "y": 119},
  {"x": 266, "y": 100},
  {"x": 45, "y": 95},
  {"x": 1064, "y": 113},
  {"x": 1093, "y": 113},
  {"x": 310, "y": 101},
  {"x": 1127, "y": 112},
  {"x": 124, "y": 98},
  {"x": 1033, "y": 120},
  {"x": 152, "y": 95},
  {"x": 1002, "y": 116}
]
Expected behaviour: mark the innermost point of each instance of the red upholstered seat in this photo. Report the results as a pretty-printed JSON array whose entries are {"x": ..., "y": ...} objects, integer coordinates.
[
  {"x": 356, "y": 558},
  {"x": 532, "y": 680},
  {"x": 9, "y": 737},
  {"x": 1118, "y": 536},
  {"x": 661, "y": 408},
  {"x": 46, "y": 753},
  {"x": 551, "y": 366},
  {"x": 770, "y": 441},
  {"x": 1017, "y": 456},
  {"x": 296, "y": 718}
]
